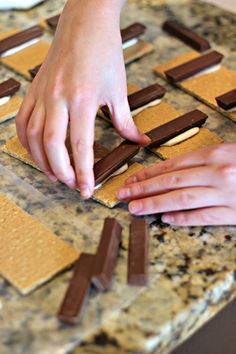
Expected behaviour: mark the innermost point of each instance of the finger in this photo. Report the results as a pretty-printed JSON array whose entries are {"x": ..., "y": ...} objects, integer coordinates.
[
  {"x": 124, "y": 124},
  {"x": 35, "y": 140},
  {"x": 82, "y": 121},
  {"x": 22, "y": 119},
  {"x": 197, "y": 176},
  {"x": 183, "y": 199},
  {"x": 201, "y": 217},
  {"x": 54, "y": 137}
]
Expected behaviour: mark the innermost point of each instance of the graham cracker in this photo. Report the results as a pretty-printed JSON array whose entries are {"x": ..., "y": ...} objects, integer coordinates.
[
  {"x": 10, "y": 109},
  {"x": 205, "y": 87},
  {"x": 106, "y": 195},
  {"x": 30, "y": 254},
  {"x": 137, "y": 51},
  {"x": 27, "y": 58}
]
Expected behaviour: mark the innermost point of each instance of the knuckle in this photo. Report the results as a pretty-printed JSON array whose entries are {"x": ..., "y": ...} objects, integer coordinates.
[
  {"x": 138, "y": 189},
  {"x": 228, "y": 173},
  {"x": 81, "y": 146},
  {"x": 171, "y": 181},
  {"x": 33, "y": 132},
  {"x": 216, "y": 153},
  {"x": 50, "y": 140},
  {"x": 184, "y": 199}
]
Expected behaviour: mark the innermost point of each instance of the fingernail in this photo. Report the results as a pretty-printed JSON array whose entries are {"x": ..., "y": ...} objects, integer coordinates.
[
  {"x": 168, "y": 219},
  {"x": 52, "y": 178},
  {"x": 135, "y": 207},
  {"x": 146, "y": 140},
  {"x": 71, "y": 183},
  {"x": 85, "y": 191},
  {"x": 132, "y": 179},
  {"x": 123, "y": 193}
]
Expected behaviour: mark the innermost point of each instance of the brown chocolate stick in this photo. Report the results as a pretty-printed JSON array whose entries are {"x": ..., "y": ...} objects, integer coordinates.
[
  {"x": 34, "y": 71},
  {"x": 227, "y": 100},
  {"x": 186, "y": 35},
  {"x": 192, "y": 67},
  {"x": 138, "y": 253},
  {"x": 53, "y": 21},
  {"x": 9, "y": 87},
  {"x": 106, "y": 254},
  {"x": 73, "y": 303},
  {"x": 133, "y": 31},
  {"x": 20, "y": 38}
]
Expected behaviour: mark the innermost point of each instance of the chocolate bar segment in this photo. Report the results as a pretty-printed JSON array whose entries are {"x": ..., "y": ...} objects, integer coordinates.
[
  {"x": 138, "y": 253},
  {"x": 34, "y": 71},
  {"x": 20, "y": 38},
  {"x": 227, "y": 100},
  {"x": 106, "y": 254},
  {"x": 175, "y": 127},
  {"x": 194, "y": 66},
  {"x": 133, "y": 31},
  {"x": 9, "y": 87},
  {"x": 186, "y": 35},
  {"x": 114, "y": 160},
  {"x": 73, "y": 303},
  {"x": 53, "y": 21}
]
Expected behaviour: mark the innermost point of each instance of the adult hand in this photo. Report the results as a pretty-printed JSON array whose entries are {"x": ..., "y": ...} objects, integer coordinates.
[
  {"x": 198, "y": 188},
  {"x": 83, "y": 70}
]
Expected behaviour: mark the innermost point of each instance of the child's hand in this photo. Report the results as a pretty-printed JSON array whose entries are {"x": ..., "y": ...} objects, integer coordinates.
[{"x": 198, "y": 188}]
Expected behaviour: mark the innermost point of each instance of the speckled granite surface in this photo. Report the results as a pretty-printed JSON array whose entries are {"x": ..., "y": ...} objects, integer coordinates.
[{"x": 192, "y": 270}]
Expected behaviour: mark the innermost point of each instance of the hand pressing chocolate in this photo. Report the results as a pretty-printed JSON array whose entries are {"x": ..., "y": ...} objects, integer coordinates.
[
  {"x": 198, "y": 188},
  {"x": 83, "y": 70}
]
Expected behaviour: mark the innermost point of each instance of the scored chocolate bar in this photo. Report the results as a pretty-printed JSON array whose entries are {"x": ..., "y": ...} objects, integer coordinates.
[
  {"x": 73, "y": 303},
  {"x": 185, "y": 34},
  {"x": 175, "y": 127},
  {"x": 133, "y": 31},
  {"x": 138, "y": 253},
  {"x": 106, "y": 255},
  {"x": 9, "y": 87},
  {"x": 115, "y": 159},
  {"x": 34, "y": 71},
  {"x": 53, "y": 21},
  {"x": 227, "y": 100},
  {"x": 141, "y": 97},
  {"x": 20, "y": 38},
  {"x": 195, "y": 66}
]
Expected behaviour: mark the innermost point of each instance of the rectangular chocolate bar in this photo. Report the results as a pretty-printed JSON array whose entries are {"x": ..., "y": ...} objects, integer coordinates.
[
  {"x": 138, "y": 253},
  {"x": 175, "y": 127},
  {"x": 73, "y": 303},
  {"x": 34, "y": 71},
  {"x": 53, "y": 21},
  {"x": 227, "y": 100},
  {"x": 133, "y": 31},
  {"x": 9, "y": 87},
  {"x": 106, "y": 254},
  {"x": 186, "y": 35},
  {"x": 20, "y": 38},
  {"x": 195, "y": 66},
  {"x": 114, "y": 160}
]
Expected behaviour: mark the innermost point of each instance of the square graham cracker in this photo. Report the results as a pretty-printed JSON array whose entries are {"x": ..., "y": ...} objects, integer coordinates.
[
  {"x": 205, "y": 87},
  {"x": 30, "y": 254},
  {"x": 137, "y": 51},
  {"x": 10, "y": 109}
]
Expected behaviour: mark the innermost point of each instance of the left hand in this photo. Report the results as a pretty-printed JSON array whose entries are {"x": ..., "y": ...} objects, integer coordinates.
[{"x": 198, "y": 188}]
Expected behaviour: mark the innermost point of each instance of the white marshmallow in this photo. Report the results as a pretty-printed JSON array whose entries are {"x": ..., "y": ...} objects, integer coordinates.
[
  {"x": 148, "y": 105},
  {"x": 130, "y": 43},
  {"x": 182, "y": 137},
  {"x": 121, "y": 170},
  {"x": 19, "y": 47},
  {"x": 4, "y": 100}
]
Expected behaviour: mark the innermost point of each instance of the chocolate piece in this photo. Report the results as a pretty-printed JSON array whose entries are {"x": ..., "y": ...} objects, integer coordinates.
[
  {"x": 186, "y": 35},
  {"x": 34, "y": 71},
  {"x": 20, "y": 38},
  {"x": 114, "y": 160},
  {"x": 9, "y": 87},
  {"x": 194, "y": 66},
  {"x": 72, "y": 305},
  {"x": 53, "y": 21},
  {"x": 106, "y": 254},
  {"x": 141, "y": 97},
  {"x": 132, "y": 31},
  {"x": 138, "y": 253},
  {"x": 175, "y": 127},
  {"x": 227, "y": 100}
]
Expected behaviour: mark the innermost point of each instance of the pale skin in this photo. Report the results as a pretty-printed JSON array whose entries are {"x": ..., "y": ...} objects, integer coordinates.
[{"x": 85, "y": 69}]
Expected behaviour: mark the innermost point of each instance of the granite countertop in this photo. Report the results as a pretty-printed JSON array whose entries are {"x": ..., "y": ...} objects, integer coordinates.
[{"x": 192, "y": 270}]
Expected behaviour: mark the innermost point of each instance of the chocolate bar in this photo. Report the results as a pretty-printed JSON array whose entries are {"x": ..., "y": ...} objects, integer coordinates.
[
  {"x": 114, "y": 160},
  {"x": 53, "y": 21},
  {"x": 175, "y": 127},
  {"x": 195, "y": 66},
  {"x": 20, "y": 38},
  {"x": 141, "y": 97},
  {"x": 73, "y": 303},
  {"x": 138, "y": 253},
  {"x": 227, "y": 100},
  {"x": 133, "y": 31},
  {"x": 9, "y": 87},
  {"x": 34, "y": 71},
  {"x": 106, "y": 254},
  {"x": 186, "y": 35}
]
